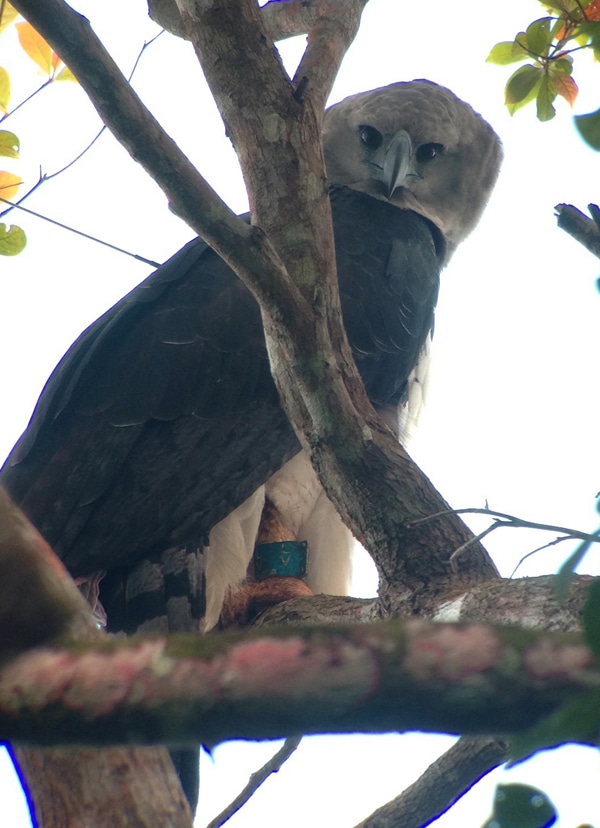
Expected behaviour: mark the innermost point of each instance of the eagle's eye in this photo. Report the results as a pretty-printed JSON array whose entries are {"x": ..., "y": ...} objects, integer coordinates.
[
  {"x": 371, "y": 137},
  {"x": 427, "y": 152}
]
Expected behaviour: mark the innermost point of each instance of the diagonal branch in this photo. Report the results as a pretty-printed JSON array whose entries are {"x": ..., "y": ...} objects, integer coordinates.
[
  {"x": 331, "y": 32},
  {"x": 190, "y": 196},
  {"x": 584, "y": 229},
  {"x": 443, "y": 783}
]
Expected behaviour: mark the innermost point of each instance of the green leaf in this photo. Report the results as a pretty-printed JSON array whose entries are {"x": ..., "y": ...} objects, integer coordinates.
[
  {"x": 4, "y": 89},
  {"x": 560, "y": 5},
  {"x": 589, "y": 28},
  {"x": 521, "y": 806},
  {"x": 12, "y": 240},
  {"x": 562, "y": 66},
  {"x": 539, "y": 36},
  {"x": 9, "y": 144},
  {"x": 578, "y": 721},
  {"x": 591, "y": 619},
  {"x": 589, "y": 128},
  {"x": 522, "y": 83},
  {"x": 546, "y": 95},
  {"x": 509, "y": 51}
]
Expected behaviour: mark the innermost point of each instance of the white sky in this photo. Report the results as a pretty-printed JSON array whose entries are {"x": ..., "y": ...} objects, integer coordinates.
[{"x": 512, "y": 414}]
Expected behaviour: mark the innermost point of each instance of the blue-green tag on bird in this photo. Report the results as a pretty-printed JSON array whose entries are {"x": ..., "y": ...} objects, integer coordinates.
[{"x": 281, "y": 558}]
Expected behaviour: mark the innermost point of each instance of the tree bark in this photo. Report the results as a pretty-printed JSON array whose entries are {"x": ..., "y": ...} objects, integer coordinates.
[
  {"x": 411, "y": 675},
  {"x": 442, "y": 784},
  {"x": 117, "y": 788},
  {"x": 131, "y": 787}
]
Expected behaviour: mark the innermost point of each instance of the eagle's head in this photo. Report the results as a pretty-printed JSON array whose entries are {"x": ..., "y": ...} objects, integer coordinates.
[{"x": 418, "y": 146}]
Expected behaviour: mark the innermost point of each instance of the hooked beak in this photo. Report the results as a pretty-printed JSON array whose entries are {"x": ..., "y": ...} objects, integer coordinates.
[{"x": 397, "y": 161}]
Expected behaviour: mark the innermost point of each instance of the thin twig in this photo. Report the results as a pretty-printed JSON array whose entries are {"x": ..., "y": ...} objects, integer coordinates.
[
  {"x": 27, "y": 99},
  {"x": 256, "y": 780},
  {"x": 505, "y": 520},
  {"x": 139, "y": 258},
  {"x": 539, "y": 549},
  {"x": 509, "y": 520},
  {"x": 460, "y": 549},
  {"x": 49, "y": 176}
]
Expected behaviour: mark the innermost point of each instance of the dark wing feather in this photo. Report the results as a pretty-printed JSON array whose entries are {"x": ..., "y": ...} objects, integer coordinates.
[
  {"x": 159, "y": 420},
  {"x": 163, "y": 416}
]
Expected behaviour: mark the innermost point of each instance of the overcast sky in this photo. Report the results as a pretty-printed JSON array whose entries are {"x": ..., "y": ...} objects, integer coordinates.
[{"x": 513, "y": 410}]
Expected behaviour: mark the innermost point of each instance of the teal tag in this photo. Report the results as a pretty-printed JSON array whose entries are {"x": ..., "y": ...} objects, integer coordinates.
[{"x": 281, "y": 558}]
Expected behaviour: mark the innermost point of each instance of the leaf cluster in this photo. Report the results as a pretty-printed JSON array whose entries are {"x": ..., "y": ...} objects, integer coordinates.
[
  {"x": 549, "y": 45},
  {"x": 12, "y": 237}
]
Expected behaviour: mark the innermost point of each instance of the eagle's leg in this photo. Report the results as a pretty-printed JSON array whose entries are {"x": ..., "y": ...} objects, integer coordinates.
[{"x": 245, "y": 602}]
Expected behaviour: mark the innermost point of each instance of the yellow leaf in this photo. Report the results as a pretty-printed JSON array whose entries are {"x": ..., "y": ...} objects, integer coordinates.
[
  {"x": 8, "y": 15},
  {"x": 4, "y": 89},
  {"x": 9, "y": 184},
  {"x": 34, "y": 45},
  {"x": 65, "y": 74}
]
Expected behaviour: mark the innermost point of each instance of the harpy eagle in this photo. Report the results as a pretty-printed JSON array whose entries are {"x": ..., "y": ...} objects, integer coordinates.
[{"x": 160, "y": 432}]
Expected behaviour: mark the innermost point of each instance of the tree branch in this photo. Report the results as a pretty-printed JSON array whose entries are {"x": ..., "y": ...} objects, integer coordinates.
[
  {"x": 91, "y": 788},
  {"x": 584, "y": 229},
  {"x": 413, "y": 675},
  {"x": 443, "y": 783},
  {"x": 38, "y": 598},
  {"x": 282, "y": 18},
  {"x": 256, "y": 780},
  {"x": 39, "y": 601}
]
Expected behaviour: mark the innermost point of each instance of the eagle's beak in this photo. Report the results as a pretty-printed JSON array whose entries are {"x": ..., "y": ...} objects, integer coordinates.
[{"x": 397, "y": 162}]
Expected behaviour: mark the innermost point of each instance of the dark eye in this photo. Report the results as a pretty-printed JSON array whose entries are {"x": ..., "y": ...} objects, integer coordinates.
[
  {"x": 371, "y": 137},
  {"x": 427, "y": 152}
]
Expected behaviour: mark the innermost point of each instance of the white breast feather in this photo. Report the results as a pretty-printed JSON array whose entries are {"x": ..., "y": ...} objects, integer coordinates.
[{"x": 308, "y": 513}]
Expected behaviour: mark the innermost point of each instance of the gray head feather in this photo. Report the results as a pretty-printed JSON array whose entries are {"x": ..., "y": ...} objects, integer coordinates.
[{"x": 418, "y": 146}]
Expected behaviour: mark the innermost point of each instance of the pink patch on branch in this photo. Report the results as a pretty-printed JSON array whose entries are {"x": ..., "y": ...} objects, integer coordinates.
[{"x": 451, "y": 652}]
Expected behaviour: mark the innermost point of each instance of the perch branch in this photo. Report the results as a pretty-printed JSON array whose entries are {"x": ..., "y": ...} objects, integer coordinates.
[{"x": 417, "y": 675}]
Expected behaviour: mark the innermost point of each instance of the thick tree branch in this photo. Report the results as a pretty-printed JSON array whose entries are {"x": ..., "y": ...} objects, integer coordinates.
[
  {"x": 371, "y": 481},
  {"x": 282, "y": 18},
  {"x": 38, "y": 602},
  {"x": 442, "y": 784},
  {"x": 107, "y": 788},
  {"x": 415, "y": 675}
]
